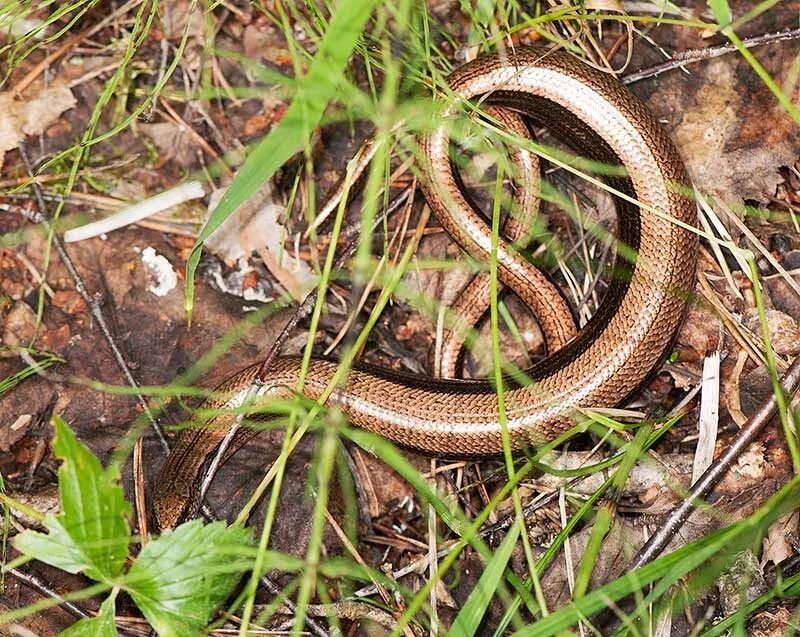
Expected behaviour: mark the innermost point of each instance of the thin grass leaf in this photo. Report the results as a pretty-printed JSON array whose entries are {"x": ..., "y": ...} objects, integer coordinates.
[
  {"x": 753, "y": 13},
  {"x": 324, "y": 468},
  {"x": 722, "y": 11},
  {"x": 469, "y": 617},
  {"x": 787, "y": 588},
  {"x": 498, "y": 379},
  {"x": 314, "y": 92},
  {"x": 583, "y": 512},
  {"x": 671, "y": 568},
  {"x": 47, "y": 359},
  {"x": 787, "y": 416},
  {"x": 605, "y": 514},
  {"x": 453, "y": 517}
]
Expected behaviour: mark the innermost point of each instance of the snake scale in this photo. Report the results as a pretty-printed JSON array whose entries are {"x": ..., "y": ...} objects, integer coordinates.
[{"x": 598, "y": 367}]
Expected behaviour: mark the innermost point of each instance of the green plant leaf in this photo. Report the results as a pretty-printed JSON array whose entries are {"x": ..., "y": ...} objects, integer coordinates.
[
  {"x": 722, "y": 11},
  {"x": 91, "y": 534},
  {"x": 101, "y": 625},
  {"x": 469, "y": 617},
  {"x": 180, "y": 579},
  {"x": 320, "y": 85}
]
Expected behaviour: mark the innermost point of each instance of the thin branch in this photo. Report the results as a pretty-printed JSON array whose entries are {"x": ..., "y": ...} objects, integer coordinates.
[
  {"x": 92, "y": 301},
  {"x": 33, "y": 582},
  {"x": 697, "y": 55},
  {"x": 700, "y": 489}
]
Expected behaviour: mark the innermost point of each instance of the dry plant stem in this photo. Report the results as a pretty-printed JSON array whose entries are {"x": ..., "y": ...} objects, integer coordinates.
[
  {"x": 199, "y": 139},
  {"x": 33, "y": 582},
  {"x": 98, "y": 202},
  {"x": 716, "y": 471},
  {"x": 348, "y": 545},
  {"x": 91, "y": 301},
  {"x": 352, "y": 611},
  {"x": 418, "y": 565},
  {"x": 12, "y": 182},
  {"x": 730, "y": 322},
  {"x": 139, "y": 489},
  {"x": 698, "y": 55},
  {"x": 69, "y": 45},
  {"x": 162, "y": 65},
  {"x": 365, "y": 155},
  {"x": 290, "y": 607},
  {"x": 360, "y": 293}
]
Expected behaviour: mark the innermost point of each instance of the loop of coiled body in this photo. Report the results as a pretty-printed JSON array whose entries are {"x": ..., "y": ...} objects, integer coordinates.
[{"x": 608, "y": 358}]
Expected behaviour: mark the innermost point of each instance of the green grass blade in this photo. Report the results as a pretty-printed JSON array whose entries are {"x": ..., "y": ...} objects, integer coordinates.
[
  {"x": 314, "y": 93},
  {"x": 722, "y": 11},
  {"x": 469, "y": 617},
  {"x": 671, "y": 568},
  {"x": 787, "y": 416},
  {"x": 605, "y": 515}
]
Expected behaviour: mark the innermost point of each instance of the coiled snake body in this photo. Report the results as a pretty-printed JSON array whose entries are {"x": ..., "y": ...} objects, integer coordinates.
[{"x": 598, "y": 367}]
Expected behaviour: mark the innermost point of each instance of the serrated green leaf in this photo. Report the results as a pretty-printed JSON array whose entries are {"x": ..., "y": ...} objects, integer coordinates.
[
  {"x": 91, "y": 534},
  {"x": 102, "y": 625},
  {"x": 469, "y": 617},
  {"x": 320, "y": 85},
  {"x": 180, "y": 579}
]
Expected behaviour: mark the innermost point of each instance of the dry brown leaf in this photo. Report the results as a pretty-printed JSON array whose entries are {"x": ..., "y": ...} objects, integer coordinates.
[
  {"x": 783, "y": 330},
  {"x": 31, "y": 115},
  {"x": 778, "y": 542},
  {"x": 256, "y": 226},
  {"x": 19, "y": 326},
  {"x": 180, "y": 12},
  {"x": 733, "y": 135},
  {"x": 171, "y": 140}
]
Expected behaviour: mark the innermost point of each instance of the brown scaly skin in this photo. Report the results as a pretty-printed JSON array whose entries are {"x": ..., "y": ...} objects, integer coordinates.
[
  {"x": 608, "y": 359},
  {"x": 473, "y": 301}
]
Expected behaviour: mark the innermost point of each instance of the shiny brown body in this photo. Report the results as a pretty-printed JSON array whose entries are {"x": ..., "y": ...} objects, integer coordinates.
[{"x": 608, "y": 359}]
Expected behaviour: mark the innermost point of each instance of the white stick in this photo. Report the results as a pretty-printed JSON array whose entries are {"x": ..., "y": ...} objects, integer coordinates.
[{"x": 136, "y": 212}]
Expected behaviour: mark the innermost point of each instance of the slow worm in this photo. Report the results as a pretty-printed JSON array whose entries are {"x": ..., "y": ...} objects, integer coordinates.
[{"x": 618, "y": 348}]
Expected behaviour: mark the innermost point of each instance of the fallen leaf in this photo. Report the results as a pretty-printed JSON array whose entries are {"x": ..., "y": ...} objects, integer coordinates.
[
  {"x": 31, "y": 115},
  {"x": 733, "y": 135},
  {"x": 20, "y": 325},
  {"x": 172, "y": 141},
  {"x": 783, "y": 330},
  {"x": 778, "y": 542},
  {"x": 256, "y": 226}
]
